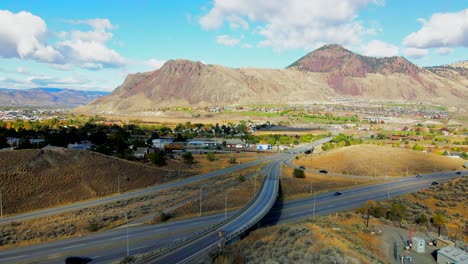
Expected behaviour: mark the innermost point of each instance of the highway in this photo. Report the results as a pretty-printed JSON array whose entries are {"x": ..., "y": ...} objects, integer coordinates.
[{"x": 111, "y": 245}]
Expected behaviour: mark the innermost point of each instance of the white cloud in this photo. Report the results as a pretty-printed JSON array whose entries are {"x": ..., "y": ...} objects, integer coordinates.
[
  {"x": 154, "y": 63},
  {"x": 286, "y": 24},
  {"x": 226, "y": 40},
  {"x": 377, "y": 48},
  {"x": 442, "y": 30},
  {"x": 444, "y": 51},
  {"x": 415, "y": 52},
  {"x": 23, "y": 36}
]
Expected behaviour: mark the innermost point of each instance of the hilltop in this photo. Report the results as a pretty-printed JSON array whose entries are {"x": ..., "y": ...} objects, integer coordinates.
[
  {"x": 34, "y": 179},
  {"x": 328, "y": 72},
  {"x": 369, "y": 159},
  {"x": 48, "y": 97}
]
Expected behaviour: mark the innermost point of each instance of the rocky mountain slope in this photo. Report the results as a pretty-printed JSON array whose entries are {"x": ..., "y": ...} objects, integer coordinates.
[
  {"x": 49, "y": 97},
  {"x": 326, "y": 73}
]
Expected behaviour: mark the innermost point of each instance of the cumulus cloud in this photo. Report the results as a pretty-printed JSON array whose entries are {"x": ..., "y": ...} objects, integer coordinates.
[
  {"x": 444, "y": 51},
  {"x": 23, "y": 35},
  {"x": 415, "y": 52},
  {"x": 377, "y": 48},
  {"x": 286, "y": 24},
  {"x": 441, "y": 30},
  {"x": 226, "y": 40}
]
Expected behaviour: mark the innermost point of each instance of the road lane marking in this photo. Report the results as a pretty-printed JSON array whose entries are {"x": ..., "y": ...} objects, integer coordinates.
[
  {"x": 95, "y": 257},
  {"x": 138, "y": 248},
  {"x": 13, "y": 257},
  {"x": 115, "y": 238},
  {"x": 74, "y": 246}
]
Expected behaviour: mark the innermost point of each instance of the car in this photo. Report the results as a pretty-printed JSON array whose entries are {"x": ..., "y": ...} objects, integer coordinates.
[
  {"x": 323, "y": 171},
  {"x": 418, "y": 176},
  {"x": 458, "y": 172},
  {"x": 77, "y": 260},
  {"x": 434, "y": 183},
  {"x": 337, "y": 193},
  {"x": 302, "y": 167}
]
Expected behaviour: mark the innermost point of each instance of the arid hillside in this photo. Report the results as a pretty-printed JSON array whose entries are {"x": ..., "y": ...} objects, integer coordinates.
[
  {"x": 34, "y": 179},
  {"x": 370, "y": 159},
  {"x": 326, "y": 73}
]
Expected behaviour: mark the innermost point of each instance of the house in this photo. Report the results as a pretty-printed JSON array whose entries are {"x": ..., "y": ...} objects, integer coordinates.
[
  {"x": 448, "y": 255},
  {"x": 160, "y": 143},
  {"x": 201, "y": 143},
  {"x": 235, "y": 143},
  {"x": 80, "y": 146},
  {"x": 140, "y": 153}
]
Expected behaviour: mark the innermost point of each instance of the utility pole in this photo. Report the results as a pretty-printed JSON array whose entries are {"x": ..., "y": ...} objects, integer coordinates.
[
  {"x": 201, "y": 196},
  {"x": 313, "y": 213},
  {"x": 225, "y": 206},
  {"x": 118, "y": 184},
  {"x": 126, "y": 227},
  {"x": 1, "y": 202}
]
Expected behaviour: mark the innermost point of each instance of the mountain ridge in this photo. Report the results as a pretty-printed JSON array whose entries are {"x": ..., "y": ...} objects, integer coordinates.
[
  {"x": 325, "y": 73},
  {"x": 48, "y": 97}
]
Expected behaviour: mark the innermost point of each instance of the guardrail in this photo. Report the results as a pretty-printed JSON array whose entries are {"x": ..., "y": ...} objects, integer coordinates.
[{"x": 147, "y": 258}]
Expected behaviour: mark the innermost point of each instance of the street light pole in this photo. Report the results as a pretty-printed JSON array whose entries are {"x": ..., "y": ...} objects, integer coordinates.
[
  {"x": 126, "y": 227},
  {"x": 118, "y": 184},
  {"x": 225, "y": 206}
]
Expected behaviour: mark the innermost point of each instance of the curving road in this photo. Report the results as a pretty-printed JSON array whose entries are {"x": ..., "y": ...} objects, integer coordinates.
[{"x": 110, "y": 246}]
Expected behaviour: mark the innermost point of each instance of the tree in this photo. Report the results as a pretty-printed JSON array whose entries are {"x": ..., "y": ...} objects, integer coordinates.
[
  {"x": 158, "y": 157},
  {"x": 298, "y": 173},
  {"x": 439, "y": 220},
  {"x": 397, "y": 211},
  {"x": 422, "y": 219},
  {"x": 188, "y": 157},
  {"x": 210, "y": 156},
  {"x": 232, "y": 160},
  {"x": 418, "y": 147},
  {"x": 369, "y": 206},
  {"x": 464, "y": 155}
]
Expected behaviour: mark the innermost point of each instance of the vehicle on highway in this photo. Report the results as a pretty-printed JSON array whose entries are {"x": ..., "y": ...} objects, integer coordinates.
[
  {"x": 323, "y": 171},
  {"x": 337, "y": 193},
  {"x": 434, "y": 183},
  {"x": 458, "y": 172},
  {"x": 418, "y": 176},
  {"x": 302, "y": 167},
  {"x": 77, "y": 260}
]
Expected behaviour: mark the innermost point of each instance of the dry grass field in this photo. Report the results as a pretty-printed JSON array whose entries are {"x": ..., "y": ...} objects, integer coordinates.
[
  {"x": 377, "y": 160},
  {"x": 104, "y": 217},
  {"x": 340, "y": 239},
  {"x": 294, "y": 188},
  {"x": 35, "y": 179}
]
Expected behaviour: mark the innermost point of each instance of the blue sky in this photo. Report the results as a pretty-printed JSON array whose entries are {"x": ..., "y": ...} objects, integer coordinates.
[{"x": 93, "y": 45}]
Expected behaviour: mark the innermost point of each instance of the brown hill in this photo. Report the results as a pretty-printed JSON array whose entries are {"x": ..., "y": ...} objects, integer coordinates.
[
  {"x": 371, "y": 159},
  {"x": 328, "y": 72},
  {"x": 34, "y": 179}
]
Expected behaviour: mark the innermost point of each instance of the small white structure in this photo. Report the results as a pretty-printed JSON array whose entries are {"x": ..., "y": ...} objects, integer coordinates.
[
  {"x": 419, "y": 245},
  {"x": 264, "y": 147},
  {"x": 452, "y": 255}
]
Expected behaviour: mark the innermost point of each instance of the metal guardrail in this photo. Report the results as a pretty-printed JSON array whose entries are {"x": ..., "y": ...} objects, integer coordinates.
[
  {"x": 162, "y": 251},
  {"x": 148, "y": 258}
]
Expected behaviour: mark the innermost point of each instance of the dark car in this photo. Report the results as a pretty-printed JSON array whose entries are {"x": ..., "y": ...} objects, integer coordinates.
[
  {"x": 434, "y": 183},
  {"x": 302, "y": 167},
  {"x": 77, "y": 260},
  {"x": 323, "y": 171},
  {"x": 337, "y": 193},
  {"x": 458, "y": 172},
  {"x": 418, "y": 176}
]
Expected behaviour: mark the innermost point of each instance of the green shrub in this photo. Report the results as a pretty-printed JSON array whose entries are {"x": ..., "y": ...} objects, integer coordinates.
[{"x": 298, "y": 173}]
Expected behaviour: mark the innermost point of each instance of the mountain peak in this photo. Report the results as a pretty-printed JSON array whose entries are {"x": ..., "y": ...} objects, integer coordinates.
[{"x": 334, "y": 58}]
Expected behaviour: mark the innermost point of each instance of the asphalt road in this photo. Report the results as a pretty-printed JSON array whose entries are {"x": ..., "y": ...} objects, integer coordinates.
[
  {"x": 132, "y": 194},
  {"x": 109, "y": 246}
]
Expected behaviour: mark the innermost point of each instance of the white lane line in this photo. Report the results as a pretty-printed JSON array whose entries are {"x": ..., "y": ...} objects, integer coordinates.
[
  {"x": 159, "y": 230},
  {"x": 74, "y": 246},
  {"x": 138, "y": 248},
  {"x": 12, "y": 258},
  {"x": 95, "y": 257},
  {"x": 115, "y": 238},
  {"x": 193, "y": 224}
]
